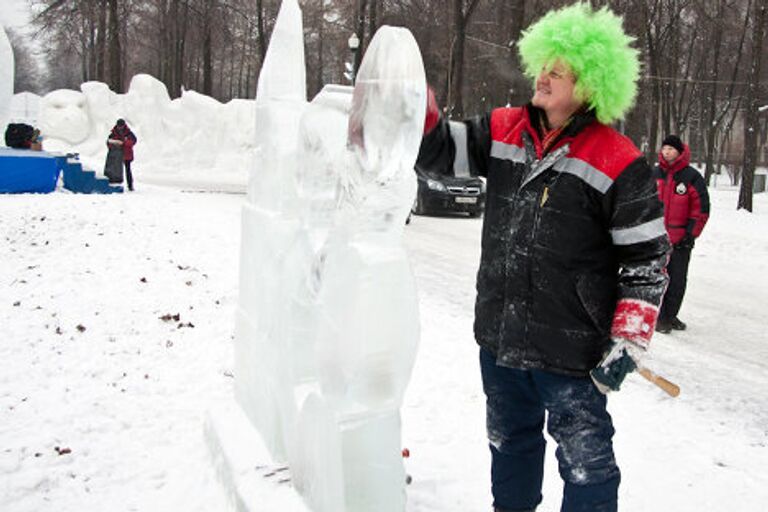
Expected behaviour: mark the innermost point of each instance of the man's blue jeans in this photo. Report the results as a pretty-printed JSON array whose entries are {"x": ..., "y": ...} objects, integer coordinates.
[{"x": 516, "y": 401}]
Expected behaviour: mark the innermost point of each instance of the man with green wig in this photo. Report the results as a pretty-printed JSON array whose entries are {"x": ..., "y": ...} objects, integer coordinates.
[{"x": 572, "y": 268}]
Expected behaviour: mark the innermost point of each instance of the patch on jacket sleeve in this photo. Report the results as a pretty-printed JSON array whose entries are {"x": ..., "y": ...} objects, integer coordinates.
[{"x": 634, "y": 320}]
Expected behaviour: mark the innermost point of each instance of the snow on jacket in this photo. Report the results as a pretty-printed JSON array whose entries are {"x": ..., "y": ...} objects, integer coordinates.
[
  {"x": 573, "y": 243},
  {"x": 684, "y": 193},
  {"x": 126, "y": 136}
]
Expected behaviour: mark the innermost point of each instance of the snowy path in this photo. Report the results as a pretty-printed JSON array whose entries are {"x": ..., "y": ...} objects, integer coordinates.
[{"x": 127, "y": 395}]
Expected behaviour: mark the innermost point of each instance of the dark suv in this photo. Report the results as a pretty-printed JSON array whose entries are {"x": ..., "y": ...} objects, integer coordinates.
[{"x": 441, "y": 194}]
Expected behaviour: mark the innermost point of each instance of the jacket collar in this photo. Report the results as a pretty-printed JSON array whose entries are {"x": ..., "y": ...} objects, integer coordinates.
[
  {"x": 681, "y": 162},
  {"x": 574, "y": 126}
]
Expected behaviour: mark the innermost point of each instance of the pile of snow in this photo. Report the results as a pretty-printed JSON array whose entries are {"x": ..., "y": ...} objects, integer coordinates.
[{"x": 193, "y": 138}]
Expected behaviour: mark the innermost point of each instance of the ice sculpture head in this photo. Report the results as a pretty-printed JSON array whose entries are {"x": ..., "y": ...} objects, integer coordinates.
[
  {"x": 64, "y": 116},
  {"x": 322, "y": 153},
  {"x": 386, "y": 123}
]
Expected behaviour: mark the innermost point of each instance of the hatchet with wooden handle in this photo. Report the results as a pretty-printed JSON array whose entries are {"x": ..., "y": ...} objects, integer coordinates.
[{"x": 668, "y": 387}]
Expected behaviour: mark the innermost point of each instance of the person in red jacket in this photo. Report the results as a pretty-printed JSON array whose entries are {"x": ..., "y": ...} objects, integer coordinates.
[
  {"x": 123, "y": 137},
  {"x": 686, "y": 209}
]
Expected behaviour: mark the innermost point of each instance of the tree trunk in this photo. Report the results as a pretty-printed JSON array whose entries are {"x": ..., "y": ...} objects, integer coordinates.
[
  {"x": 261, "y": 29},
  {"x": 712, "y": 124},
  {"x": 101, "y": 42},
  {"x": 751, "y": 120},
  {"x": 207, "y": 53},
  {"x": 115, "y": 63},
  {"x": 519, "y": 86},
  {"x": 362, "y": 6},
  {"x": 456, "y": 61},
  {"x": 653, "y": 58}
]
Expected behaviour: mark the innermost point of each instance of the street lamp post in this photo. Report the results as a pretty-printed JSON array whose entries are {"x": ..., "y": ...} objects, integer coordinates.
[{"x": 354, "y": 45}]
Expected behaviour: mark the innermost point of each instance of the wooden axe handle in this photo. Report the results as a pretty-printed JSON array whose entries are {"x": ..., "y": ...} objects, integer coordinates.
[{"x": 669, "y": 388}]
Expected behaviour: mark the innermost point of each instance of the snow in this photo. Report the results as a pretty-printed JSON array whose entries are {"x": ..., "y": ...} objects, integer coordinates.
[{"x": 129, "y": 394}]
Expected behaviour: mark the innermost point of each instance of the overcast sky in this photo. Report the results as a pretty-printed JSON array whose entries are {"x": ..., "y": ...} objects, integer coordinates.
[{"x": 14, "y": 13}]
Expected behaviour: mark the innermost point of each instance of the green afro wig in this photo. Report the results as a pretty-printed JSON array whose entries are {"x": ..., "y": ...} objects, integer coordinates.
[{"x": 596, "y": 48}]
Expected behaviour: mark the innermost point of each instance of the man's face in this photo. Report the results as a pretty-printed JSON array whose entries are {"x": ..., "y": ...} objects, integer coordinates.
[
  {"x": 669, "y": 153},
  {"x": 555, "y": 91}
]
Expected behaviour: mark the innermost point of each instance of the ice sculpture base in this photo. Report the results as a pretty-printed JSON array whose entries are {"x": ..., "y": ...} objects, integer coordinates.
[{"x": 253, "y": 480}]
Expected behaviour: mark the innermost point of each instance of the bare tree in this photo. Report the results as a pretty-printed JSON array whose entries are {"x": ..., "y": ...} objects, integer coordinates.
[
  {"x": 751, "y": 124},
  {"x": 462, "y": 13},
  {"x": 26, "y": 73}
]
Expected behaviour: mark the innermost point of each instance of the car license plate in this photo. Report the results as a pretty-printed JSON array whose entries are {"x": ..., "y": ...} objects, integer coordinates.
[{"x": 466, "y": 200}]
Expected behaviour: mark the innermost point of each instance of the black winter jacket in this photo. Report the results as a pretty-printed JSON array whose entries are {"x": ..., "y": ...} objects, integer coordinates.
[{"x": 573, "y": 243}]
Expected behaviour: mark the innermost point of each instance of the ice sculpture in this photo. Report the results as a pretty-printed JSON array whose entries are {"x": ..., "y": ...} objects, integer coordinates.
[
  {"x": 269, "y": 225},
  {"x": 6, "y": 79},
  {"x": 327, "y": 324}
]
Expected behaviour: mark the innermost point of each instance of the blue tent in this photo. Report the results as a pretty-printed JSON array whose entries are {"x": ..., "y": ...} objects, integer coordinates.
[{"x": 23, "y": 170}]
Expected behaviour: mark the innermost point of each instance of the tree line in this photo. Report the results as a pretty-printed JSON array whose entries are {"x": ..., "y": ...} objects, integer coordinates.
[{"x": 702, "y": 76}]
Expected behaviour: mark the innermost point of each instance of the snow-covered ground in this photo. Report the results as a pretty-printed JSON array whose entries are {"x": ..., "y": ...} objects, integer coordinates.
[{"x": 103, "y": 390}]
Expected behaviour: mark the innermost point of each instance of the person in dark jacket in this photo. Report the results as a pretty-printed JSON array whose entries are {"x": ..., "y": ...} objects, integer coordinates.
[
  {"x": 573, "y": 254},
  {"x": 686, "y": 210},
  {"x": 122, "y": 136}
]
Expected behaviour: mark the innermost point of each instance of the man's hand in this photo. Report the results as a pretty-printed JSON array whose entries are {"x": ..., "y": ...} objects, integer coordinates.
[
  {"x": 623, "y": 358},
  {"x": 687, "y": 242}
]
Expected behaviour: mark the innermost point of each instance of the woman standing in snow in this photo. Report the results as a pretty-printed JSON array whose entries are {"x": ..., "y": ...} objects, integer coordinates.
[
  {"x": 572, "y": 263},
  {"x": 123, "y": 138}
]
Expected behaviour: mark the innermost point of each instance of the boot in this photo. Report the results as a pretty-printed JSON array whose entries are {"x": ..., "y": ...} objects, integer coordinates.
[
  {"x": 664, "y": 326},
  {"x": 677, "y": 324}
]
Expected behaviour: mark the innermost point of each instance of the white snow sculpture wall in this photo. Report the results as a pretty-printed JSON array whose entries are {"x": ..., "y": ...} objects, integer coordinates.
[
  {"x": 191, "y": 138},
  {"x": 6, "y": 80},
  {"x": 327, "y": 324}
]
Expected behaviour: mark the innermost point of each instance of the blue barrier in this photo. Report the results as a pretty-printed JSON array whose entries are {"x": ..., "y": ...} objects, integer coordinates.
[{"x": 23, "y": 171}]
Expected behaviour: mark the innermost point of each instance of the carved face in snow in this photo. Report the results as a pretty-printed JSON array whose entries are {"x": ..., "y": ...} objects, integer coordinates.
[{"x": 64, "y": 116}]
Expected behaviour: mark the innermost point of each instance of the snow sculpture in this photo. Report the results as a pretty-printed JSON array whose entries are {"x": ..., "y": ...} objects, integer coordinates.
[
  {"x": 146, "y": 108},
  {"x": 327, "y": 326},
  {"x": 192, "y": 138},
  {"x": 104, "y": 108},
  {"x": 64, "y": 116},
  {"x": 6, "y": 79}
]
